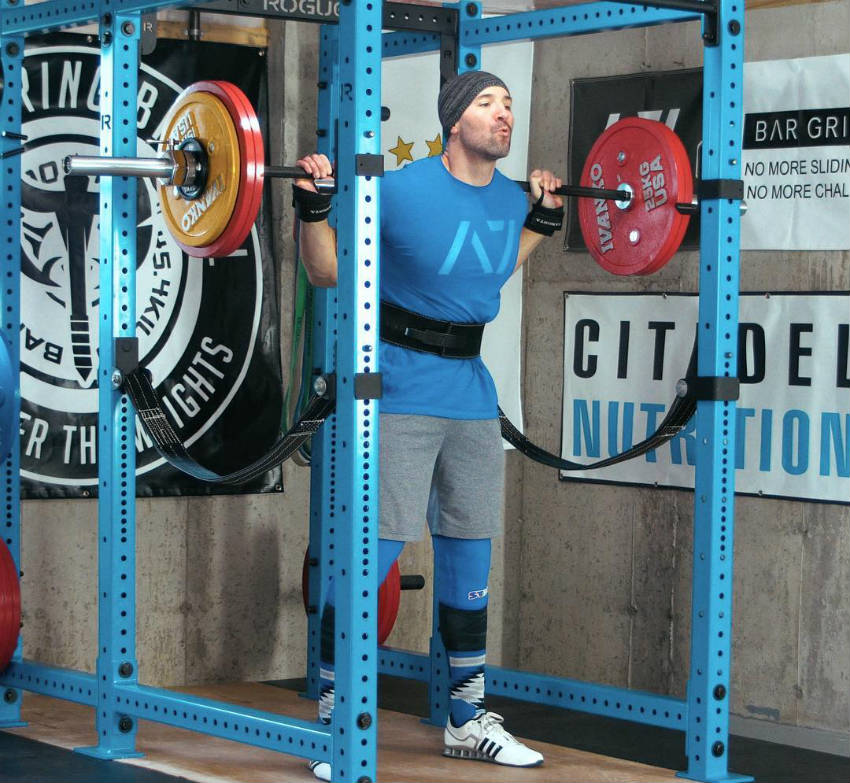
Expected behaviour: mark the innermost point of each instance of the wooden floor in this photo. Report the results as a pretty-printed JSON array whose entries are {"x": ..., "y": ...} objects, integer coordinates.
[{"x": 202, "y": 758}]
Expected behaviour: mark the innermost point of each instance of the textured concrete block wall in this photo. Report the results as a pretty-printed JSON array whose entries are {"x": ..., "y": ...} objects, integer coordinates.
[{"x": 604, "y": 587}]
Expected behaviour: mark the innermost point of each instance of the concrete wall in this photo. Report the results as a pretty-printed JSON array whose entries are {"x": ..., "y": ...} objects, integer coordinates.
[{"x": 604, "y": 587}]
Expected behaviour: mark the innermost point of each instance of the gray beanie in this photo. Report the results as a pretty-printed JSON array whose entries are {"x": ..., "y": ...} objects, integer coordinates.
[{"x": 457, "y": 93}]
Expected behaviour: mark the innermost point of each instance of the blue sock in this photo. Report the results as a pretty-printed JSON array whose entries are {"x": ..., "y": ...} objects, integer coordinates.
[
  {"x": 462, "y": 567},
  {"x": 388, "y": 552}
]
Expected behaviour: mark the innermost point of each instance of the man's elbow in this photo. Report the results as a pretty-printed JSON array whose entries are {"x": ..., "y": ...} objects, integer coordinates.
[{"x": 321, "y": 278}]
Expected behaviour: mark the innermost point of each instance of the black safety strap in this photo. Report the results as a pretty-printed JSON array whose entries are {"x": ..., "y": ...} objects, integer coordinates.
[
  {"x": 138, "y": 387},
  {"x": 693, "y": 389},
  {"x": 166, "y": 441},
  {"x": 674, "y": 422}
]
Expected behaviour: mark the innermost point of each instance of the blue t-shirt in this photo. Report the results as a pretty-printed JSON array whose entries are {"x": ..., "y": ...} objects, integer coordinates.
[{"x": 447, "y": 248}]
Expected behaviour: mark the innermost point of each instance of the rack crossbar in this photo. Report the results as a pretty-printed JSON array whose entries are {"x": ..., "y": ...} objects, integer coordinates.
[
  {"x": 68, "y": 684},
  {"x": 53, "y": 15},
  {"x": 598, "y": 699},
  {"x": 262, "y": 729},
  {"x": 397, "y": 44},
  {"x": 402, "y": 663},
  {"x": 595, "y": 698},
  {"x": 570, "y": 20}
]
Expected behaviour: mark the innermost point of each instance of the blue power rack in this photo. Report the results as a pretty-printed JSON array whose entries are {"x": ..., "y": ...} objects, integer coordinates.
[{"x": 344, "y": 483}]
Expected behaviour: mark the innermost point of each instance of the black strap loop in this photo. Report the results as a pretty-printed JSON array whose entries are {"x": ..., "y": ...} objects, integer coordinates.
[
  {"x": 430, "y": 339},
  {"x": 680, "y": 413},
  {"x": 411, "y": 330},
  {"x": 138, "y": 387},
  {"x": 674, "y": 422}
]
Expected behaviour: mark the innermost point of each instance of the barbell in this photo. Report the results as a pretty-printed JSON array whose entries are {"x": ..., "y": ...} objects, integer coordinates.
[{"x": 636, "y": 188}]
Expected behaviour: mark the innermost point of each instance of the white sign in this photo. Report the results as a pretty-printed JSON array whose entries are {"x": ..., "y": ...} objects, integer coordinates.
[
  {"x": 623, "y": 355},
  {"x": 796, "y": 154},
  {"x": 409, "y": 89}
]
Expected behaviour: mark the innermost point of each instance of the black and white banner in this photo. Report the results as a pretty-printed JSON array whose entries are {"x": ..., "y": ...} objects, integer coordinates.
[
  {"x": 624, "y": 353},
  {"x": 796, "y": 154},
  {"x": 208, "y": 329}
]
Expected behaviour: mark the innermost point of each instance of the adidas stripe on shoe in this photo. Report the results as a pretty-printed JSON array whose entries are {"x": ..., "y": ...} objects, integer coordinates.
[{"x": 484, "y": 739}]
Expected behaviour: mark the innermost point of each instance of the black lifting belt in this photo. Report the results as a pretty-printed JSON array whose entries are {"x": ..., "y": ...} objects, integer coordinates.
[
  {"x": 166, "y": 441},
  {"x": 410, "y": 330},
  {"x": 444, "y": 338}
]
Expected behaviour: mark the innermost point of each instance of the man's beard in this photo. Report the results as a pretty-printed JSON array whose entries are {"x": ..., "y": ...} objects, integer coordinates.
[
  {"x": 498, "y": 148},
  {"x": 490, "y": 147}
]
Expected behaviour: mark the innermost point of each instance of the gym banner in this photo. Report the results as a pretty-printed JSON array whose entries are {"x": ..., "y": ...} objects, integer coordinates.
[
  {"x": 796, "y": 154},
  {"x": 671, "y": 97},
  {"x": 624, "y": 353},
  {"x": 208, "y": 328}
]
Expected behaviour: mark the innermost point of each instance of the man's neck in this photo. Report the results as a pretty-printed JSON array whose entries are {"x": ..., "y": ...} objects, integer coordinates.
[{"x": 472, "y": 169}]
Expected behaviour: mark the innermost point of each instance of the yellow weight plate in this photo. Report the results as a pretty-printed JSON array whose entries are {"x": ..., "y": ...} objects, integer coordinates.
[{"x": 199, "y": 222}]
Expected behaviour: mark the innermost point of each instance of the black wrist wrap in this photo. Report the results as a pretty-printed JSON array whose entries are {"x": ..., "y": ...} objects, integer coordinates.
[
  {"x": 310, "y": 207},
  {"x": 544, "y": 220}
]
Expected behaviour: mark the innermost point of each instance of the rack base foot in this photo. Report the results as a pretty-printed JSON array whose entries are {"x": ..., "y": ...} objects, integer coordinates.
[
  {"x": 108, "y": 753},
  {"x": 729, "y": 777}
]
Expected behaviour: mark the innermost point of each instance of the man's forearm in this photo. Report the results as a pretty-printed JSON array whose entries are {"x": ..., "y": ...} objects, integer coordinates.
[
  {"x": 528, "y": 240},
  {"x": 318, "y": 253}
]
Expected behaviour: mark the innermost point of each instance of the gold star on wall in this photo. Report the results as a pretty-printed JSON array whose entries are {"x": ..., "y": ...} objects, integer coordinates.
[
  {"x": 402, "y": 151},
  {"x": 435, "y": 147}
]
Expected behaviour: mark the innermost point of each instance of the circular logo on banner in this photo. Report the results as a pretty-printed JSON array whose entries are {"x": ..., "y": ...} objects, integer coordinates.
[{"x": 193, "y": 337}]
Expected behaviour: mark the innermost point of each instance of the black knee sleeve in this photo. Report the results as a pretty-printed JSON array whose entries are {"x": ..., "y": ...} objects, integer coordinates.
[
  {"x": 326, "y": 646},
  {"x": 463, "y": 630}
]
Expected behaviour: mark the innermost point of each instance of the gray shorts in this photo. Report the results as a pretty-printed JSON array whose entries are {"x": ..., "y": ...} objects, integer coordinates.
[{"x": 450, "y": 471}]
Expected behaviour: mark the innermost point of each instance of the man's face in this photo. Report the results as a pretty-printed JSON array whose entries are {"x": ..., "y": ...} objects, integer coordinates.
[{"x": 486, "y": 125}]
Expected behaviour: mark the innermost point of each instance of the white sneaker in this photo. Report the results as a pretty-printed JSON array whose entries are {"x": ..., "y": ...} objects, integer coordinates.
[
  {"x": 321, "y": 769},
  {"x": 483, "y": 738}
]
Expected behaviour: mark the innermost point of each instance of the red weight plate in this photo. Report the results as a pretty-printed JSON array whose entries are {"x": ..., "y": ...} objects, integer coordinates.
[
  {"x": 252, "y": 156},
  {"x": 388, "y": 597},
  {"x": 253, "y": 168},
  {"x": 685, "y": 196},
  {"x": 10, "y": 606},
  {"x": 305, "y": 581},
  {"x": 647, "y": 157}
]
